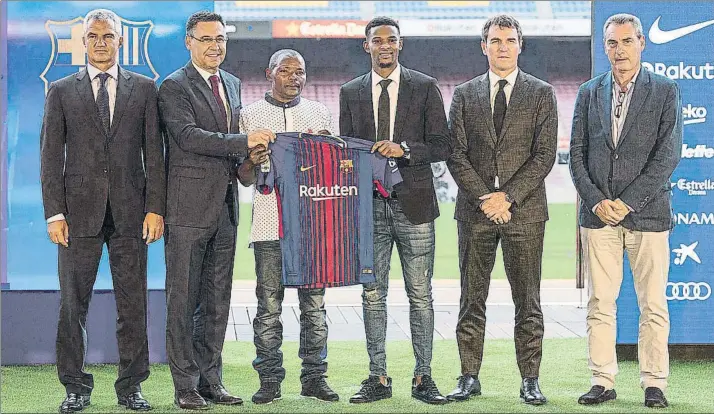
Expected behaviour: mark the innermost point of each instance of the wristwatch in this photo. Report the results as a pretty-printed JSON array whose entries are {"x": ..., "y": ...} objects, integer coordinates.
[
  {"x": 510, "y": 199},
  {"x": 405, "y": 148}
]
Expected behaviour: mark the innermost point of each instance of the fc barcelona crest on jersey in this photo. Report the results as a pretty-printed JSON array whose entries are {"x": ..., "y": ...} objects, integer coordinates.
[
  {"x": 346, "y": 166},
  {"x": 69, "y": 55}
]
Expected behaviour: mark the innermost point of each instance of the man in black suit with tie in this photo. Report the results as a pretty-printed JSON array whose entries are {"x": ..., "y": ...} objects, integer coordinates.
[
  {"x": 103, "y": 181},
  {"x": 411, "y": 128},
  {"x": 199, "y": 107},
  {"x": 504, "y": 127}
]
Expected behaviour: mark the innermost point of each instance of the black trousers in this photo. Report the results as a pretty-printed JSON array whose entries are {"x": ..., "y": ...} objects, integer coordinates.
[
  {"x": 78, "y": 265},
  {"x": 522, "y": 246},
  {"x": 199, "y": 278}
]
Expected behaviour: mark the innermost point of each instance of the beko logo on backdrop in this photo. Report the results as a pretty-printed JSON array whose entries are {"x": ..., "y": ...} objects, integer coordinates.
[
  {"x": 681, "y": 70},
  {"x": 694, "y": 219},
  {"x": 698, "y": 151},
  {"x": 694, "y": 114},
  {"x": 694, "y": 188}
]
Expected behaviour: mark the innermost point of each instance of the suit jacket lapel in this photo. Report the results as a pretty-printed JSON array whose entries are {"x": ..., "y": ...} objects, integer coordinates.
[
  {"x": 125, "y": 84},
  {"x": 205, "y": 90},
  {"x": 233, "y": 101},
  {"x": 639, "y": 96},
  {"x": 604, "y": 102},
  {"x": 84, "y": 89},
  {"x": 365, "y": 100},
  {"x": 404, "y": 101},
  {"x": 483, "y": 90},
  {"x": 521, "y": 89}
]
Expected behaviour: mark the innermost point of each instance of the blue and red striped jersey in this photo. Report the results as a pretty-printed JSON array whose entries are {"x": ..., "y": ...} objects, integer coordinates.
[{"x": 325, "y": 189}]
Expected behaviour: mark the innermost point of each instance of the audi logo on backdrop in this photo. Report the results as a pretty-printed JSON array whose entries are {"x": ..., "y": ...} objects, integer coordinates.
[{"x": 688, "y": 291}]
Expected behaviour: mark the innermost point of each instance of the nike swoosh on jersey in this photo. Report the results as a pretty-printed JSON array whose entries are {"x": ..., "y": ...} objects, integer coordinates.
[
  {"x": 659, "y": 36},
  {"x": 303, "y": 168}
]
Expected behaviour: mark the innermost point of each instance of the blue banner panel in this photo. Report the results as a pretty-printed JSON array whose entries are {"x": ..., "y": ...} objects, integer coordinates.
[
  {"x": 45, "y": 44},
  {"x": 679, "y": 38}
]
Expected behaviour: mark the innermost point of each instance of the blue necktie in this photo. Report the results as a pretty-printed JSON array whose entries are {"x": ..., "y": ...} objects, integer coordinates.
[{"x": 103, "y": 101}]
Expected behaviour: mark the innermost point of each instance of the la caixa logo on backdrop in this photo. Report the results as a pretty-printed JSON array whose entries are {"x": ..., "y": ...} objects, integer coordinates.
[{"x": 69, "y": 55}]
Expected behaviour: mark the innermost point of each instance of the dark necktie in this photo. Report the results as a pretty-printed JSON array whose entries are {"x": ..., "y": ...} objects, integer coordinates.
[
  {"x": 103, "y": 101},
  {"x": 499, "y": 107},
  {"x": 383, "y": 112},
  {"x": 215, "y": 87}
]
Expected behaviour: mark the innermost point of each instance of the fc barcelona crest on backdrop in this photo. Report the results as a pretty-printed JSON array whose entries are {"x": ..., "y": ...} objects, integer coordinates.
[{"x": 69, "y": 56}]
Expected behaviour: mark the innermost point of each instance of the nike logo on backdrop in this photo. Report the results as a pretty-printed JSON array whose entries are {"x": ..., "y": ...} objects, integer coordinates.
[
  {"x": 303, "y": 168},
  {"x": 659, "y": 36}
]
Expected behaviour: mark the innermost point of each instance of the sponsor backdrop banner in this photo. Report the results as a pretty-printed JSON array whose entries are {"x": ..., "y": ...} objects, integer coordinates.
[
  {"x": 45, "y": 44},
  {"x": 678, "y": 36}
]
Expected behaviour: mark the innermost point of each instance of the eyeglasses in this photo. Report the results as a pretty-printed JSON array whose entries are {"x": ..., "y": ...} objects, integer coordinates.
[
  {"x": 620, "y": 101},
  {"x": 220, "y": 41}
]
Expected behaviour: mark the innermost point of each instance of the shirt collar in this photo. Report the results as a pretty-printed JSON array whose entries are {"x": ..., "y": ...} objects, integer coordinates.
[
  {"x": 616, "y": 86},
  {"x": 206, "y": 74},
  {"x": 93, "y": 71},
  {"x": 511, "y": 78},
  {"x": 395, "y": 76},
  {"x": 269, "y": 98}
]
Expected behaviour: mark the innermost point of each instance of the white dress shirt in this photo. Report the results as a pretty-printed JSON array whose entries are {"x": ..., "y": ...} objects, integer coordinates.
[
  {"x": 111, "y": 86},
  {"x": 205, "y": 75},
  {"x": 508, "y": 89},
  {"x": 393, "y": 91}
]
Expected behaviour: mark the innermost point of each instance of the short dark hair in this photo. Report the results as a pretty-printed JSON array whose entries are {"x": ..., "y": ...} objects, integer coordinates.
[
  {"x": 202, "y": 16},
  {"x": 503, "y": 21},
  {"x": 380, "y": 21}
]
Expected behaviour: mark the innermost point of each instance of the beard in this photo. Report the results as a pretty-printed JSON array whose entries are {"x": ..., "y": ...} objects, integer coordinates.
[{"x": 386, "y": 65}]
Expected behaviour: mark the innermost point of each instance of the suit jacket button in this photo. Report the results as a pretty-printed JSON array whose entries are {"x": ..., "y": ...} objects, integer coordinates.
[
  {"x": 105, "y": 170},
  {"x": 225, "y": 173}
]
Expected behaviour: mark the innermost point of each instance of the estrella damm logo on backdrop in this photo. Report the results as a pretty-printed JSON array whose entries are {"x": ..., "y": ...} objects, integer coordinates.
[{"x": 69, "y": 55}]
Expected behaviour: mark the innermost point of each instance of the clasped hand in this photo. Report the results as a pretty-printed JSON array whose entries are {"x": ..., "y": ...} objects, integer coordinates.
[
  {"x": 495, "y": 207},
  {"x": 612, "y": 212}
]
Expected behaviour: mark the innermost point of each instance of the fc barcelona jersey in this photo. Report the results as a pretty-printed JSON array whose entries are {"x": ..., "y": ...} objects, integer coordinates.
[{"x": 325, "y": 186}]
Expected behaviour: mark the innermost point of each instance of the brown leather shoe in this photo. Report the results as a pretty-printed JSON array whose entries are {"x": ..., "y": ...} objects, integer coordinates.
[
  {"x": 190, "y": 400},
  {"x": 217, "y": 394}
]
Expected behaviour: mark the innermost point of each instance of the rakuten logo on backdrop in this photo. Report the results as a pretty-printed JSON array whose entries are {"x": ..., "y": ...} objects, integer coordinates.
[{"x": 681, "y": 70}]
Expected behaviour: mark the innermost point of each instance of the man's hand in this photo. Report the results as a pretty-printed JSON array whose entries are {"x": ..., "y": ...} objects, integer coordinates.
[
  {"x": 257, "y": 155},
  {"x": 495, "y": 205},
  {"x": 59, "y": 232},
  {"x": 388, "y": 149},
  {"x": 260, "y": 137},
  {"x": 153, "y": 227},
  {"x": 621, "y": 208},
  {"x": 502, "y": 218},
  {"x": 608, "y": 212}
]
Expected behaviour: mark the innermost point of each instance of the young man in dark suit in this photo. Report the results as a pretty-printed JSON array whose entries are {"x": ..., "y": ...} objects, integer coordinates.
[
  {"x": 504, "y": 127},
  {"x": 402, "y": 110},
  {"x": 103, "y": 181},
  {"x": 200, "y": 106}
]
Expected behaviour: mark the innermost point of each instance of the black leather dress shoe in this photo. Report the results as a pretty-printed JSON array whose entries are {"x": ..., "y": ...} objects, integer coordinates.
[
  {"x": 372, "y": 390},
  {"x": 74, "y": 402},
  {"x": 465, "y": 388},
  {"x": 426, "y": 391},
  {"x": 530, "y": 392},
  {"x": 217, "y": 394},
  {"x": 654, "y": 398},
  {"x": 597, "y": 395},
  {"x": 134, "y": 401},
  {"x": 190, "y": 400}
]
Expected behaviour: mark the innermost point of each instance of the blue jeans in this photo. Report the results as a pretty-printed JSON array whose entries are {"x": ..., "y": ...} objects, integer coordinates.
[
  {"x": 267, "y": 328},
  {"x": 415, "y": 245}
]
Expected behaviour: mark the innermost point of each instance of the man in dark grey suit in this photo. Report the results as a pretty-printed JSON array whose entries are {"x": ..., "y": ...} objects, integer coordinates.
[
  {"x": 103, "y": 181},
  {"x": 626, "y": 142},
  {"x": 199, "y": 107},
  {"x": 504, "y": 127},
  {"x": 403, "y": 111}
]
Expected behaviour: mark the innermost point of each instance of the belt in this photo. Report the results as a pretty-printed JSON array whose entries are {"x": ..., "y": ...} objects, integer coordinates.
[{"x": 379, "y": 196}]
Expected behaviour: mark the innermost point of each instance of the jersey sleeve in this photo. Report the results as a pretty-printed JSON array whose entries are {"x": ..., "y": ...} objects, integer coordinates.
[{"x": 268, "y": 172}]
